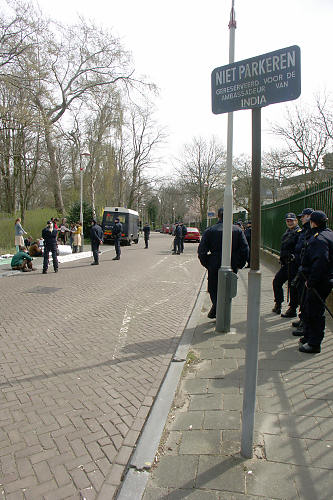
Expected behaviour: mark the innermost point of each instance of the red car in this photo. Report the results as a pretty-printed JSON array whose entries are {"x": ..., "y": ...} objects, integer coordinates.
[{"x": 193, "y": 234}]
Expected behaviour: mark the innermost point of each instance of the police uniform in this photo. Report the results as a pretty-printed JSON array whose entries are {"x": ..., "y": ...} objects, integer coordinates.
[
  {"x": 146, "y": 233},
  {"x": 287, "y": 271},
  {"x": 96, "y": 238},
  {"x": 210, "y": 254},
  {"x": 177, "y": 244},
  {"x": 116, "y": 233},
  {"x": 299, "y": 281},
  {"x": 317, "y": 268},
  {"x": 50, "y": 235}
]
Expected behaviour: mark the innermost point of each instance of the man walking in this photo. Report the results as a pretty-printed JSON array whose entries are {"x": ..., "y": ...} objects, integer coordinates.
[
  {"x": 184, "y": 233},
  {"x": 177, "y": 241},
  {"x": 288, "y": 268},
  {"x": 210, "y": 255},
  {"x": 96, "y": 238},
  {"x": 146, "y": 233},
  {"x": 116, "y": 233},
  {"x": 49, "y": 235}
]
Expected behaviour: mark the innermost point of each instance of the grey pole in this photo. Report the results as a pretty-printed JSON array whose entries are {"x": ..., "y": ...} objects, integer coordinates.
[
  {"x": 81, "y": 202},
  {"x": 226, "y": 278},
  {"x": 254, "y": 288}
]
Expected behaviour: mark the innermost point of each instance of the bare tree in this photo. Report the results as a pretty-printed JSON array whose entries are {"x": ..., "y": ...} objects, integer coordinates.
[
  {"x": 202, "y": 168},
  {"x": 306, "y": 144}
]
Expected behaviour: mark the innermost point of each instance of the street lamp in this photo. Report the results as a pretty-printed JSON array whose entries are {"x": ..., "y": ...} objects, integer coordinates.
[
  {"x": 173, "y": 215},
  {"x": 81, "y": 198}
]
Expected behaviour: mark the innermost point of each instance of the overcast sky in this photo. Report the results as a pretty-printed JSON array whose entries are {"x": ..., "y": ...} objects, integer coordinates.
[{"x": 177, "y": 44}]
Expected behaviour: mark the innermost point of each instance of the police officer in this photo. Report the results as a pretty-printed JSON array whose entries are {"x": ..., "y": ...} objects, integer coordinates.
[
  {"x": 210, "y": 254},
  {"x": 247, "y": 233},
  {"x": 298, "y": 281},
  {"x": 177, "y": 241},
  {"x": 116, "y": 233},
  {"x": 317, "y": 268},
  {"x": 146, "y": 233},
  {"x": 288, "y": 268},
  {"x": 184, "y": 233},
  {"x": 96, "y": 238},
  {"x": 49, "y": 235}
]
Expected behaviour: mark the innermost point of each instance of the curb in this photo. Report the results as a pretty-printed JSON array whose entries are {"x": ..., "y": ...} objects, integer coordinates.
[{"x": 137, "y": 473}]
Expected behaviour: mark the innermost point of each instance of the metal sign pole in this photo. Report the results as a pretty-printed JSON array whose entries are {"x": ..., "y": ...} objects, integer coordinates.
[
  {"x": 254, "y": 288},
  {"x": 225, "y": 274}
]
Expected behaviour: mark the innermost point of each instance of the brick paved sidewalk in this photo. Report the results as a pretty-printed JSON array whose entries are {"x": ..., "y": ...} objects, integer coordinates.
[
  {"x": 199, "y": 456},
  {"x": 82, "y": 355}
]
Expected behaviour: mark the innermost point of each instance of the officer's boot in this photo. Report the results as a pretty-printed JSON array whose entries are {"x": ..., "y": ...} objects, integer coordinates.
[
  {"x": 297, "y": 324},
  {"x": 212, "y": 312},
  {"x": 290, "y": 313},
  {"x": 277, "y": 308}
]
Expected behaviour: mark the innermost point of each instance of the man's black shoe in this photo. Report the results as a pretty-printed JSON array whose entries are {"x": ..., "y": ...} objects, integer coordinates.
[
  {"x": 56, "y": 270},
  {"x": 94, "y": 264},
  {"x": 212, "y": 313},
  {"x": 116, "y": 258},
  {"x": 302, "y": 340},
  {"x": 298, "y": 332},
  {"x": 44, "y": 271},
  {"x": 297, "y": 323},
  {"x": 290, "y": 313},
  {"x": 309, "y": 349},
  {"x": 277, "y": 309}
]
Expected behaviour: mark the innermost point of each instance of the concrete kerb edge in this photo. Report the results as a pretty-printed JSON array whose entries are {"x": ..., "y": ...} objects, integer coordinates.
[{"x": 137, "y": 473}]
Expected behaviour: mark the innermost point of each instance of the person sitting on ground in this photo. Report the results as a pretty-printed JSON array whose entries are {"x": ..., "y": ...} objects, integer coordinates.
[
  {"x": 35, "y": 250},
  {"x": 22, "y": 261}
]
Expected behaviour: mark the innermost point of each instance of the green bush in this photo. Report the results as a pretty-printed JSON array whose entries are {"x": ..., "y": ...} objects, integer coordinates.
[
  {"x": 74, "y": 215},
  {"x": 35, "y": 221}
]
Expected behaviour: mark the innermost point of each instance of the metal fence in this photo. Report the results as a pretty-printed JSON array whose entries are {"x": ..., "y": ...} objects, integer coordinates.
[{"x": 319, "y": 197}]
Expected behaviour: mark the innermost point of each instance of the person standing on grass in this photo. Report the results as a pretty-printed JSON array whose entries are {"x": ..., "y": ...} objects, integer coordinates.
[{"x": 19, "y": 232}]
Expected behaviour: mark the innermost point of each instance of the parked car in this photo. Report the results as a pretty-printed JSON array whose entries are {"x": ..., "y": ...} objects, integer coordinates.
[{"x": 193, "y": 234}]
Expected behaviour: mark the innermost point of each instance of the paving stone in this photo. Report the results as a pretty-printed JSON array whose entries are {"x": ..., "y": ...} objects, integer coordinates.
[
  {"x": 221, "y": 419},
  {"x": 176, "y": 472},
  {"x": 270, "y": 480},
  {"x": 223, "y": 386},
  {"x": 288, "y": 450},
  {"x": 312, "y": 482},
  {"x": 221, "y": 473},
  {"x": 195, "y": 386},
  {"x": 192, "y": 495},
  {"x": 183, "y": 421},
  {"x": 206, "y": 402},
  {"x": 267, "y": 423},
  {"x": 301, "y": 426},
  {"x": 200, "y": 442},
  {"x": 321, "y": 453}
]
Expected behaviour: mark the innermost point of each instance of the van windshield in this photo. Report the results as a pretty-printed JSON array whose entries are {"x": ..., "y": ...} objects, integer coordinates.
[{"x": 111, "y": 216}]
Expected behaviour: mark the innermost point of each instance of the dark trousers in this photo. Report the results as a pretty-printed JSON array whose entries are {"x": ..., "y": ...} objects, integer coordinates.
[
  {"x": 47, "y": 250},
  {"x": 177, "y": 244},
  {"x": 146, "y": 242},
  {"x": 212, "y": 285},
  {"x": 280, "y": 278},
  {"x": 181, "y": 245},
  {"x": 117, "y": 247},
  {"x": 95, "y": 248},
  {"x": 313, "y": 314}
]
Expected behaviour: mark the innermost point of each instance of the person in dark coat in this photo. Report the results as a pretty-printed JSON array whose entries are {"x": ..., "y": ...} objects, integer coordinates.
[
  {"x": 96, "y": 238},
  {"x": 247, "y": 233},
  {"x": 146, "y": 233},
  {"x": 184, "y": 233},
  {"x": 317, "y": 268},
  {"x": 177, "y": 241},
  {"x": 298, "y": 281},
  {"x": 49, "y": 235},
  {"x": 210, "y": 255},
  {"x": 116, "y": 233},
  {"x": 288, "y": 268}
]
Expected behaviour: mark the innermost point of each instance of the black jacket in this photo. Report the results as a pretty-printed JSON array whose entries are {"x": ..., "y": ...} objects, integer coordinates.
[
  {"x": 117, "y": 230},
  {"x": 210, "y": 248},
  {"x": 184, "y": 230},
  {"x": 304, "y": 235},
  {"x": 96, "y": 234},
  {"x": 317, "y": 262},
  {"x": 146, "y": 230},
  {"x": 288, "y": 244},
  {"x": 50, "y": 237}
]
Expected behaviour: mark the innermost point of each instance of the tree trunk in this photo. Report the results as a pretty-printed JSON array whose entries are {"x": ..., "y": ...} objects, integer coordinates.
[{"x": 56, "y": 185}]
